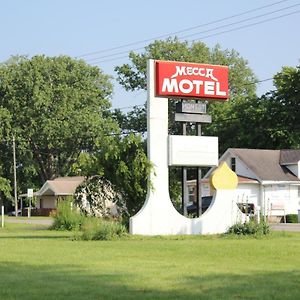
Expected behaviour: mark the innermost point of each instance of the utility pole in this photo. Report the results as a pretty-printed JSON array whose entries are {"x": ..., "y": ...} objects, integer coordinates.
[{"x": 15, "y": 175}]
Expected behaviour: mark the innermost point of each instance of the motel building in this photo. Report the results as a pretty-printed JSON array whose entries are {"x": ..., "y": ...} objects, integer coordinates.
[{"x": 269, "y": 179}]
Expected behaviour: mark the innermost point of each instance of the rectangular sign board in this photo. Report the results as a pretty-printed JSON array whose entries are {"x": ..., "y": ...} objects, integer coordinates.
[
  {"x": 29, "y": 193},
  {"x": 194, "y": 151},
  {"x": 192, "y": 118},
  {"x": 191, "y": 107},
  {"x": 189, "y": 80}
]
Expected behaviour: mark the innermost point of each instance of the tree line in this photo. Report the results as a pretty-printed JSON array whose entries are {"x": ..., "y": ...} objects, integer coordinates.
[{"x": 58, "y": 110}]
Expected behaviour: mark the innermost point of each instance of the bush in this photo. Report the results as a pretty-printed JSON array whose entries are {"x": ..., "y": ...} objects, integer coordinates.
[
  {"x": 250, "y": 228},
  {"x": 98, "y": 197},
  {"x": 97, "y": 229},
  {"x": 66, "y": 218},
  {"x": 291, "y": 218}
]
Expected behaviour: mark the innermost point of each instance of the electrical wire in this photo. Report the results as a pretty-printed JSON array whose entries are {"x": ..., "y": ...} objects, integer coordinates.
[
  {"x": 181, "y": 31},
  {"x": 200, "y": 38},
  {"x": 197, "y": 33}
]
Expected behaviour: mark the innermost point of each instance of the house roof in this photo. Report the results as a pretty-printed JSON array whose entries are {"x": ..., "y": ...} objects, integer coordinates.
[
  {"x": 61, "y": 186},
  {"x": 265, "y": 164},
  {"x": 288, "y": 157}
]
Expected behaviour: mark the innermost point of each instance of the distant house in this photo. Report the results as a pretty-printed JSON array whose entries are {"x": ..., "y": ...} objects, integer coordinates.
[
  {"x": 52, "y": 190},
  {"x": 269, "y": 179}
]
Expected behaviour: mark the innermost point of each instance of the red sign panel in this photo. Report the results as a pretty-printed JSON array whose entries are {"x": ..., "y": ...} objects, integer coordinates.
[{"x": 188, "y": 80}]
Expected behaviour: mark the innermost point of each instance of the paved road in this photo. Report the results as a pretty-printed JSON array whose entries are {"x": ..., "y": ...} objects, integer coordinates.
[
  {"x": 46, "y": 221},
  {"x": 286, "y": 227},
  {"x": 28, "y": 221}
]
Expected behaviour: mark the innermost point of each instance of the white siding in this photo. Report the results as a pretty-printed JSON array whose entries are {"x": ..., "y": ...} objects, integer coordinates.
[
  {"x": 247, "y": 193},
  {"x": 241, "y": 168},
  {"x": 48, "y": 202},
  {"x": 281, "y": 195}
]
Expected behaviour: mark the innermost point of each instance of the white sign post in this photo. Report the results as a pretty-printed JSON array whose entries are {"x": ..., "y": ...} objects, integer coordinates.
[
  {"x": 30, "y": 196},
  {"x": 2, "y": 216},
  {"x": 158, "y": 215}
]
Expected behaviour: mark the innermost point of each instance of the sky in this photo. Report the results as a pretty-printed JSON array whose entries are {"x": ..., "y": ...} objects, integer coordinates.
[{"x": 264, "y": 32}]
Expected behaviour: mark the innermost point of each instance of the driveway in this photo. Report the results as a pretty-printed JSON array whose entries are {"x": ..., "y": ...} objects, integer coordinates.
[
  {"x": 39, "y": 221},
  {"x": 286, "y": 227}
]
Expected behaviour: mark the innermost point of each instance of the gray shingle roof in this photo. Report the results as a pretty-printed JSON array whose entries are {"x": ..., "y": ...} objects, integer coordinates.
[
  {"x": 61, "y": 186},
  {"x": 289, "y": 156},
  {"x": 265, "y": 164}
]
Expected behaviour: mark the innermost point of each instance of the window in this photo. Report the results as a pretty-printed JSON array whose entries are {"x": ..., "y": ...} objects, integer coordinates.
[
  {"x": 192, "y": 196},
  {"x": 233, "y": 164}
]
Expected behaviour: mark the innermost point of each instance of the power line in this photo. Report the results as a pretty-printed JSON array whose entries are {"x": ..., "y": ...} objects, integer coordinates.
[
  {"x": 249, "y": 25},
  {"x": 204, "y": 31},
  {"x": 180, "y": 31},
  {"x": 242, "y": 21},
  {"x": 126, "y": 107},
  {"x": 200, "y": 38}
]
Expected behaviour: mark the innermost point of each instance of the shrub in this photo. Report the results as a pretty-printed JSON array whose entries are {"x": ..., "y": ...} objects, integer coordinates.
[
  {"x": 97, "y": 229},
  {"x": 66, "y": 218},
  {"x": 98, "y": 197},
  {"x": 291, "y": 218},
  {"x": 250, "y": 228}
]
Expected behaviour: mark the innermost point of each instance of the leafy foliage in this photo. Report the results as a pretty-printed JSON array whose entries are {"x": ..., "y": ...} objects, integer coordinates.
[
  {"x": 99, "y": 229},
  {"x": 250, "y": 228},
  {"x": 133, "y": 76},
  {"x": 125, "y": 164},
  {"x": 66, "y": 217},
  {"x": 97, "y": 197},
  {"x": 268, "y": 122},
  {"x": 291, "y": 218},
  {"x": 246, "y": 121},
  {"x": 56, "y": 107}
]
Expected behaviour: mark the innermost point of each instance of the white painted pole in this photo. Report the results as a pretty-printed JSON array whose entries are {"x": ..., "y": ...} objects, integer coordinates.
[
  {"x": 15, "y": 176},
  {"x": 29, "y": 208},
  {"x": 2, "y": 216},
  {"x": 258, "y": 214}
]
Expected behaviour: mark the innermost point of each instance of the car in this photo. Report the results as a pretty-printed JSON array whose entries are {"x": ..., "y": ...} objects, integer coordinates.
[
  {"x": 246, "y": 208},
  {"x": 206, "y": 201},
  {"x": 13, "y": 213}
]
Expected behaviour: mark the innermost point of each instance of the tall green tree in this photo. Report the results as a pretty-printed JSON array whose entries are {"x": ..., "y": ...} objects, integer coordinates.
[
  {"x": 123, "y": 162},
  {"x": 5, "y": 188},
  {"x": 272, "y": 120},
  {"x": 58, "y": 106},
  {"x": 132, "y": 76}
]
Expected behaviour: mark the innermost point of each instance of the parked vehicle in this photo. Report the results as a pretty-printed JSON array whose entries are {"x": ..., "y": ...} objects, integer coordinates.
[
  {"x": 246, "y": 208},
  {"x": 13, "y": 213},
  {"x": 206, "y": 201}
]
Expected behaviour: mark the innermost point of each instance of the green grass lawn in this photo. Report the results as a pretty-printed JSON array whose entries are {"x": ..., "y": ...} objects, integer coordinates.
[{"x": 39, "y": 264}]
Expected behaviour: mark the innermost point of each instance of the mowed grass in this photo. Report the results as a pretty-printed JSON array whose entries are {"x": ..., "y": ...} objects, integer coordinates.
[{"x": 39, "y": 264}]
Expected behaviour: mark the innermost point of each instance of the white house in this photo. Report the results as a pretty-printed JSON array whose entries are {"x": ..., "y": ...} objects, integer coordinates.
[
  {"x": 269, "y": 179},
  {"x": 52, "y": 191}
]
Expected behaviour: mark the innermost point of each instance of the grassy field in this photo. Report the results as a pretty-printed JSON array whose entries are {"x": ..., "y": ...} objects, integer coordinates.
[{"x": 39, "y": 264}]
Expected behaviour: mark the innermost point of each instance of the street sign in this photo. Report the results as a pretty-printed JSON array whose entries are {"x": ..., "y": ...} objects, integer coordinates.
[
  {"x": 192, "y": 118},
  {"x": 191, "y": 107},
  {"x": 29, "y": 193}
]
